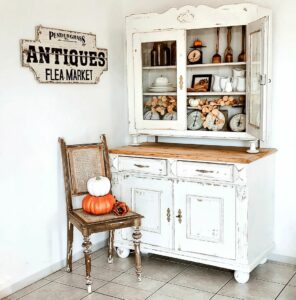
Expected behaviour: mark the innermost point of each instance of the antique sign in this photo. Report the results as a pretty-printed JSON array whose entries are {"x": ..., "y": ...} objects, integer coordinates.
[{"x": 60, "y": 56}]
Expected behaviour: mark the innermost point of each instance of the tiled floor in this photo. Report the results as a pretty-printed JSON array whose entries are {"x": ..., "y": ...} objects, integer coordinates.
[{"x": 163, "y": 279}]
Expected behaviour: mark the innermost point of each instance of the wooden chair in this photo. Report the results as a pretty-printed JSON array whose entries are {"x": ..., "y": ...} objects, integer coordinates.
[{"x": 81, "y": 162}]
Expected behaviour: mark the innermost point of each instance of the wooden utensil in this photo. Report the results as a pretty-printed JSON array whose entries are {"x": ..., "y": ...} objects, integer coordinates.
[
  {"x": 217, "y": 57},
  {"x": 228, "y": 54},
  {"x": 242, "y": 56}
]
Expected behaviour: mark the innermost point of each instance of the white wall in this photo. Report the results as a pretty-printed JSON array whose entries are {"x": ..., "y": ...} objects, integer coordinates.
[
  {"x": 34, "y": 115},
  {"x": 284, "y": 136}
]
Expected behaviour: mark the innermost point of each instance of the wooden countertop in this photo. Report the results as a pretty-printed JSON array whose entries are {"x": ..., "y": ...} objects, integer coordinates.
[{"x": 193, "y": 152}]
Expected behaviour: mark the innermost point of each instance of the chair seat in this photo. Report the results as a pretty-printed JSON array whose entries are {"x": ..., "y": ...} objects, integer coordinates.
[
  {"x": 103, "y": 222},
  {"x": 91, "y": 219}
]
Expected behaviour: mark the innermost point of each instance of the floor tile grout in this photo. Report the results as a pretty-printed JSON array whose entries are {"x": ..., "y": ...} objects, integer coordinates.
[
  {"x": 287, "y": 284},
  {"x": 33, "y": 290},
  {"x": 222, "y": 288},
  {"x": 187, "y": 265},
  {"x": 49, "y": 281},
  {"x": 280, "y": 291},
  {"x": 168, "y": 282}
]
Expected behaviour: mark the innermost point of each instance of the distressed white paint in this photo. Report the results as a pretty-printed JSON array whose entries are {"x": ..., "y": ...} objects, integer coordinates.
[
  {"x": 150, "y": 197},
  {"x": 283, "y": 62},
  {"x": 221, "y": 215},
  {"x": 208, "y": 223},
  {"x": 143, "y": 165},
  {"x": 173, "y": 25},
  {"x": 197, "y": 170}
]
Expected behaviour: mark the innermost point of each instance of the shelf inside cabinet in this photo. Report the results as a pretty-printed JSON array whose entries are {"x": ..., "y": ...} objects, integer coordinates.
[
  {"x": 159, "y": 67},
  {"x": 233, "y": 64},
  {"x": 161, "y": 94},
  {"x": 225, "y": 106},
  {"x": 216, "y": 94}
]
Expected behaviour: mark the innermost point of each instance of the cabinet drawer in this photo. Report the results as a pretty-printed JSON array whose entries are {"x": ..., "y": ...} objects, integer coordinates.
[
  {"x": 143, "y": 165},
  {"x": 205, "y": 170}
]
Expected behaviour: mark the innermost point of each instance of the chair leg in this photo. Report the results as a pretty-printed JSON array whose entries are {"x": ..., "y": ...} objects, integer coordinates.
[
  {"x": 111, "y": 246},
  {"x": 138, "y": 263},
  {"x": 69, "y": 246},
  {"x": 87, "y": 255}
]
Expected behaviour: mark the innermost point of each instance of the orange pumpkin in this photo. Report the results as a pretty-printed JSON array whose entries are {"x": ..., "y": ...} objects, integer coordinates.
[{"x": 98, "y": 205}]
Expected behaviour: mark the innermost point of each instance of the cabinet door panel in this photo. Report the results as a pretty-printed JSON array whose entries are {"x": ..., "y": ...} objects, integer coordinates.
[
  {"x": 208, "y": 221},
  {"x": 257, "y": 77},
  {"x": 152, "y": 198},
  {"x": 145, "y": 87}
]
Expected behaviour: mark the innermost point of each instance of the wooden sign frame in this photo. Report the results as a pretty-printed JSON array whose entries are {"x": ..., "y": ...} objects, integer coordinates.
[{"x": 63, "y": 56}]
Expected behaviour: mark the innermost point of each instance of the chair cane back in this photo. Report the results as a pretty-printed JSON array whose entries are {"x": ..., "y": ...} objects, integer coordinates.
[{"x": 80, "y": 163}]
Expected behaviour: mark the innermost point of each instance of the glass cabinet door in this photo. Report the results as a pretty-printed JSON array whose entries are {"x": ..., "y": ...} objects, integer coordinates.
[
  {"x": 257, "y": 77},
  {"x": 159, "y": 80}
]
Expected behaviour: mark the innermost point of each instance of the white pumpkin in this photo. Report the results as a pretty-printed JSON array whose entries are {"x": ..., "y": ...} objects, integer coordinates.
[
  {"x": 194, "y": 102},
  {"x": 98, "y": 186}
]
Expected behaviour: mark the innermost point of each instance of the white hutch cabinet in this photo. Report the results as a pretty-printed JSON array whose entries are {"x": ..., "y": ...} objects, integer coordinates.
[
  {"x": 178, "y": 29},
  {"x": 208, "y": 204},
  {"x": 200, "y": 203}
]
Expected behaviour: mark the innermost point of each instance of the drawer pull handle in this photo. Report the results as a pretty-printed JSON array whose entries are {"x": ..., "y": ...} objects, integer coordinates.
[
  {"x": 168, "y": 215},
  {"x": 140, "y": 166},
  {"x": 203, "y": 171},
  {"x": 179, "y": 216}
]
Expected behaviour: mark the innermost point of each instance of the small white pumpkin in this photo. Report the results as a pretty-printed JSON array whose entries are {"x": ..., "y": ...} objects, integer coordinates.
[
  {"x": 98, "y": 186},
  {"x": 194, "y": 102}
]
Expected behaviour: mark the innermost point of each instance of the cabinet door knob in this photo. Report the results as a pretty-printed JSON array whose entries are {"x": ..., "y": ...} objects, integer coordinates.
[
  {"x": 179, "y": 216},
  {"x": 168, "y": 215}
]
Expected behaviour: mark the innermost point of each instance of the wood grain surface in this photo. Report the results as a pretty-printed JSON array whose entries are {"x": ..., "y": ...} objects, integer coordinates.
[{"x": 193, "y": 152}]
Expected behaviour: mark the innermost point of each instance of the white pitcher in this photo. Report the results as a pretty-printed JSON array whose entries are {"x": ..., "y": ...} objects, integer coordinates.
[
  {"x": 216, "y": 85},
  {"x": 236, "y": 72},
  {"x": 228, "y": 85},
  {"x": 241, "y": 84},
  {"x": 223, "y": 81}
]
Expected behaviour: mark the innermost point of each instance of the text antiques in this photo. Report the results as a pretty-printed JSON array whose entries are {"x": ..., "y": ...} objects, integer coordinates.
[{"x": 60, "y": 56}]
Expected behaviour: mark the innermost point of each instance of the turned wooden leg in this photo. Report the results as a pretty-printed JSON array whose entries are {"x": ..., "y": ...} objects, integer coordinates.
[
  {"x": 87, "y": 255},
  {"x": 111, "y": 246},
  {"x": 69, "y": 246},
  {"x": 137, "y": 240}
]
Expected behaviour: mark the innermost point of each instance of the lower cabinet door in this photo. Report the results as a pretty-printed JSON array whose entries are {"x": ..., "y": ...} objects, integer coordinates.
[
  {"x": 151, "y": 198},
  {"x": 205, "y": 219}
]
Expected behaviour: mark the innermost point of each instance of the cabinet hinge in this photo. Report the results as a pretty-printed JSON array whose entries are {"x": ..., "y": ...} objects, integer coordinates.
[
  {"x": 262, "y": 79},
  {"x": 179, "y": 216},
  {"x": 181, "y": 82}
]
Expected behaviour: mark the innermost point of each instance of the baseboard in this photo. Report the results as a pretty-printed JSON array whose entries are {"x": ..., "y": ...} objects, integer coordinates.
[
  {"x": 282, "y": 259},
  {"x": 45, "y": 272}
]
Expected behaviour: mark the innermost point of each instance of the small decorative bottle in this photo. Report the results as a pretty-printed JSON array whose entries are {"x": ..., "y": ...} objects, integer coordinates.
[
  {"x": 173, "y": 54},
  {"x": 166, "y": 55},
  {"x": 154, "y": 56},
  {"x": 160, "y": 53}
]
